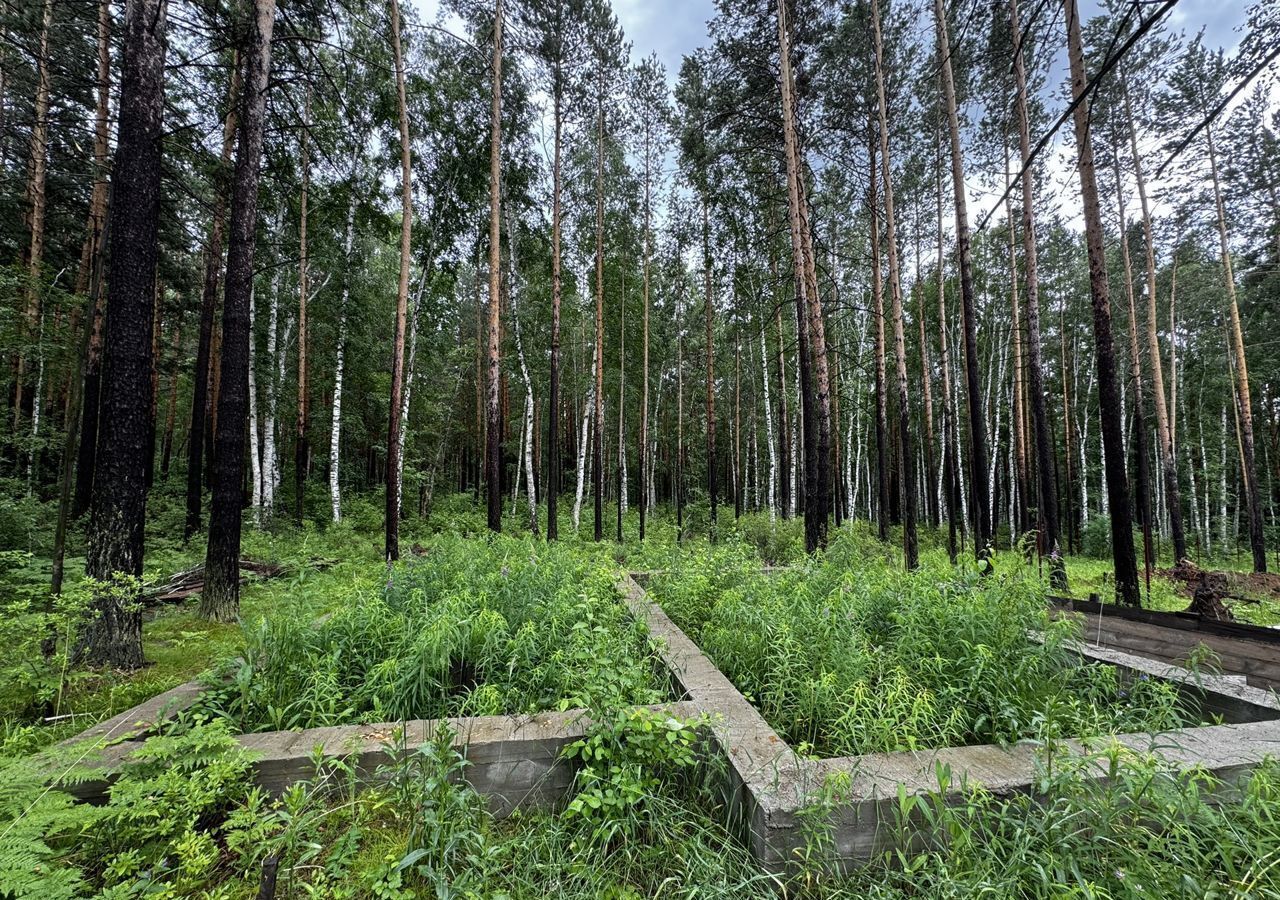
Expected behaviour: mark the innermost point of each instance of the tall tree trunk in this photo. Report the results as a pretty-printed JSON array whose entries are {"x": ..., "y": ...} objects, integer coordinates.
[
  {"x": 171, "y": 414},
  {"x": 1142, "y": 458},
  {"x": 335, "y": 418},
  {"x": 815, "y": 379},
  {"x": 644, "y": 393},
  {"x": 1126, "y": 561},
  {"x": 1047, "y": 502},
  {"x": 950, "y": 429},
  {"x": 301, "y": 446},
  {"x": 1019, "y": 523},
  {"x": 979, "y": 492},
  {"x": 553, "y": 424},
  {"x": 391, "y": 514},
  {"x": 90, "y": 275},
  {"x": 786, "y": 498},
  {"x": 255, "y": 450},
  {"x": 910, "y": 547},
  {"x": 201, "y": 401},
  {"x": 708, "y": 308},
  {"x": 493, "y": 443},
  {"x": 1164, "y": 428},
  {"x": 38, "y": 168},
  {"x": 881, "y": 379},
  {"x": 220, "y": 600},
  {"x": 597, "y": 429},
  {"x": 118, "y": 512},
  {"x": 1248, "y": 469}
]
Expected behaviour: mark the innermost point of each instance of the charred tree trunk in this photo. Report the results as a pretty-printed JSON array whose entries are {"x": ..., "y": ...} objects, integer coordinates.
[
  {"x": 118, "y": 512},
  {"x": 220, "y": 601},
  {"x": 200, "y": 397}
]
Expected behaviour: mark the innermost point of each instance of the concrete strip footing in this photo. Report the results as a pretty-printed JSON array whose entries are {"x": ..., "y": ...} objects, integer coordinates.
[{"x": 778, "y": 790}]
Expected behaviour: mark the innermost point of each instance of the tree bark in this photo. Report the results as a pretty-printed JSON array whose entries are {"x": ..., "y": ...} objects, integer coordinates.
[
  {"x": 391, "y": 514},
  {"x": 1047, "y": 502},
  {"x": 493, "y": 444},
  {"x": 118, "y": 513},
  {"x": 553, "y": 423},
  {"x": 1141, "y": 457},
  {"x": 597, "y": 429},
  {"x": 881, "y": 377},
  {"x": 815, "y": 380},
  {"x": 38, "y": 168},
  {"x": 90, "y": 275},
  {"x": 220, "y": 601},
  {"x": 979, "y": 492},
  {"x": 335, "y": 417},
  {"x": 1249, "y": 469},
  {"x": 301, "y": 446},
  {"x": 708, "y": 309},
  {"x": 1125, "y": 559},
  {"x": 910, "y": 546},
  {"x": 201, "y": 402}
]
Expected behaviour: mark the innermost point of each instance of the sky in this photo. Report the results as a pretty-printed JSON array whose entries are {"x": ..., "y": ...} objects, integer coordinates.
[{"x": 673, "y": 28}]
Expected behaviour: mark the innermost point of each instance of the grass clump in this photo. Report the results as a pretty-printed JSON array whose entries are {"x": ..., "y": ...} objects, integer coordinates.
[
  {"x": 467, "y": 628},
  {"x": 852, "y": 655}
]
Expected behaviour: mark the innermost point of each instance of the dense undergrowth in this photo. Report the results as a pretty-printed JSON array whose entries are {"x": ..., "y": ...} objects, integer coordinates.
[
  {"x": 464, "y": 627},
  {"x": 850, "y": 654},
  {"x": 644, "y": 820},
  {"x": 844, "y": 654}
]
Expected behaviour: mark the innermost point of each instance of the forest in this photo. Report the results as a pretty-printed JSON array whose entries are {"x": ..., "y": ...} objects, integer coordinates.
[{"x": 841, "y": 389}]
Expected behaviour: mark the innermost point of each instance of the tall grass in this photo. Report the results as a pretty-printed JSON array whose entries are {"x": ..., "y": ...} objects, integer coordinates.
[
  {"x": 852, "y": 655},
  {"x": 467, "y": 628}
]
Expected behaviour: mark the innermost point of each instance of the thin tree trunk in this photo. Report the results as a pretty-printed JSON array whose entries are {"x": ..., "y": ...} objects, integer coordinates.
[
  {"x": 1019, "y": 518},
  {"x": 275, "y": 378},
  {"x": 708, "y": 309},
  {"x": 597, "y": 430},
  {"x": 950, "y": 429},
  {"x": 768, "y": 427},
  {"x": 335, "y": 418},
  {"x": 1047, "y": 502},
  {"x": 786, "y": 498},
  {"x": 644, "y": 394},
  {"x": 301, "y": 446},
  {"x": 1126, "y": 563},
  {"x": 171, "y": 414},
  {"x": 90, "y": 268},
  {"x": 1142, "y": 473},
  {"x": 392, "y": 490},
  {"x": 977, "y": 419},
  {"x": 1164, "y": 427},
  {"x": 587, "y": 409},
  {"x": 528, "y": 429},
  {"x": 911, "y": 551},
  {"x": 38, "y": 168},
  {"x": 118, "y": 514},
  {"x": 201, "y": 401},
  {"x": 882, "y": 396},
  {"x": 1249, "y": 470},
  {"x": 493, "y": 443},
  {"x": 255, "y": 451}
]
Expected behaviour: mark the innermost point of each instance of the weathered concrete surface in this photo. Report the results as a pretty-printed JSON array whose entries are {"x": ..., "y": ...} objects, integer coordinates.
[
  {"x": 776, "y": 785},
  {"x": 141, "y": 720}
]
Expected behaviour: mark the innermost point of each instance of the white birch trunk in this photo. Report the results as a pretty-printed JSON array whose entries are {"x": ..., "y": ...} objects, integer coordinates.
[
  {"x": 255, "y": 449},
  {"x": 335, "y": 416},
  {"x": 583, "y": 445}
]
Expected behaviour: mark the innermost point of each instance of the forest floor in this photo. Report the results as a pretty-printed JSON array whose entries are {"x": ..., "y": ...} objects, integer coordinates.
[{"x": 184, "y": 819}]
